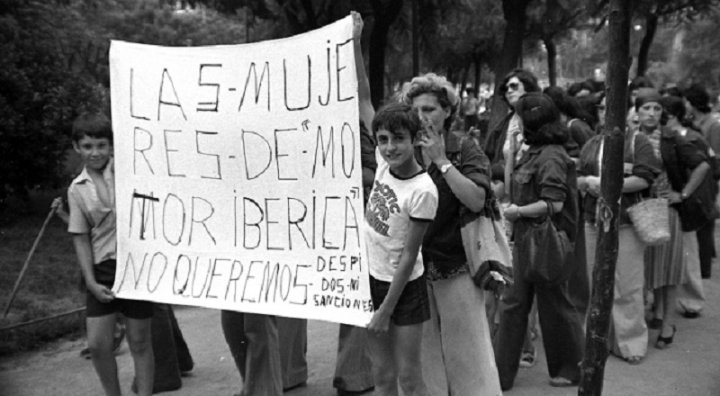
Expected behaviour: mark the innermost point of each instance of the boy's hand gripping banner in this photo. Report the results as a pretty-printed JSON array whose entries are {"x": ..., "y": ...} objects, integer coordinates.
[{"x": 238, "y": 176}]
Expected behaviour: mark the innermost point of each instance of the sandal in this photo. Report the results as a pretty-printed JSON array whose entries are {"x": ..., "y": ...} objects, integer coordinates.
[
  {"x": 527, "y": 359},
  {"x": 562, "y": 382},
  {"x": 634, "y": 359},
  {"x": 664, "y": 342}
]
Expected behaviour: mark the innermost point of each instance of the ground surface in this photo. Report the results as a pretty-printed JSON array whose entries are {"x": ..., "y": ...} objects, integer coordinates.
[{"x": 689, "y": 367}]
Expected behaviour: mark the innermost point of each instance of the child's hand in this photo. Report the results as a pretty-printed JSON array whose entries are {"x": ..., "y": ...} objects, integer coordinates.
[
  {"x": 57, "y": 206},
  {"x": 380, "y": 322},
  {"x": 102, "y": 293},
  {"x": 56, "y": 203}
]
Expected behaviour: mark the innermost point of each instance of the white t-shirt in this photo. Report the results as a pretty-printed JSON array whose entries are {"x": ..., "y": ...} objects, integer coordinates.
[{"x": 393, "y": 203}]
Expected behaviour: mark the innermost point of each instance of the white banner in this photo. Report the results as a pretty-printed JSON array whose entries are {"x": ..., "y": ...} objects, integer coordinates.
[{"x": 238, "y": 176}]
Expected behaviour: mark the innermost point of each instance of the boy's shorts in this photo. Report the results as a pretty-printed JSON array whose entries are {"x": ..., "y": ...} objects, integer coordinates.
[
  {"x": 133, "y": 309},
  {"x": 413, "y": 306}
]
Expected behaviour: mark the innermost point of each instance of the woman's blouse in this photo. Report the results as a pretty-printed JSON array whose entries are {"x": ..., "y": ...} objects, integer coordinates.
[
  {"x": 640, "y": 161},
  {"x": 442, "y": 246},
  {"x": 547, "y": 173}
]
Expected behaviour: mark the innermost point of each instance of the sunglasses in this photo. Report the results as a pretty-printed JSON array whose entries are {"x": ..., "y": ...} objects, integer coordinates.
[{"x": 513, "y": 86}]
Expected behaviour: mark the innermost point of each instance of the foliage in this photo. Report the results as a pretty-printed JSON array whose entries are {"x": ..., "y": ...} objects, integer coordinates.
[
  {"x": 43, "y": 89},
  {"x": 55, "y": 66},
  {"x": 698, "y": 58}
]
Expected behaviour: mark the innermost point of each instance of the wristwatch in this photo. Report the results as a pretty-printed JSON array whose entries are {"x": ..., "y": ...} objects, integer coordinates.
[
  {"x": 444, "y": 168},
  {"x": 683, "y": 196}
]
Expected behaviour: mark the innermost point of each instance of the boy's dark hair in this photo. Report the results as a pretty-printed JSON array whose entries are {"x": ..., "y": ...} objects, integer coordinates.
[
  {"x": 528, "y": 80},
  {"x": 698, "y": 98},
  {"x": 396, "y": 116},
  {"x": 95, "y": 124},
  {"x": 541, "y": 120}
]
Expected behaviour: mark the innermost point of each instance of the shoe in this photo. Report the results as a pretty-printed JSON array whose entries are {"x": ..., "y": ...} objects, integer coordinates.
[
  {"x": 527, "y": 359},
  {"x": 655, "y": 323},
  {"x": 664, "y": 342},
  {"x": 691, "y": 314},
  {"x": 560, "y": 382},
  {"x": 634, "y": 360}
]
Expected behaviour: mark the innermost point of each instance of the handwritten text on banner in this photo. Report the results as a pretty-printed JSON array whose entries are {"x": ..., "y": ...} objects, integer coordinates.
[{"x": 238, "y": 177}]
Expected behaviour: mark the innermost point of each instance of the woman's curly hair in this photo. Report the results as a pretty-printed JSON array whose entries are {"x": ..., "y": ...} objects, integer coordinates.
[{"x": 439, "y": 86}]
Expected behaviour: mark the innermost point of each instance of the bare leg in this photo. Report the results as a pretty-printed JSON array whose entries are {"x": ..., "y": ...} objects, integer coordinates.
[
  {"x": 383, "y": 364},
  {"x": 669, "y": 296},
  {"x": 100, "y": 341},
  {"x": 659, "y": 302},
  {"x": 139, "y": 338},
  {"x": 407, "y": 342}
]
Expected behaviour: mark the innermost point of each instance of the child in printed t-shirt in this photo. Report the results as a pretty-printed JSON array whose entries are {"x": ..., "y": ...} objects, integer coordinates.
[
  {"x": 91, "y": 198},
  {"x": 402, "y": 204}
]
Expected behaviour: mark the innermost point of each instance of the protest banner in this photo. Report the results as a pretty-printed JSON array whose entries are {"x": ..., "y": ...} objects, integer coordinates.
[{"x": 238, "y": 176}]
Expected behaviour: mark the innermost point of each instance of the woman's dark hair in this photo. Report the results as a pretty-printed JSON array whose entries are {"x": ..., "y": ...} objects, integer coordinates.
[
  {"x": 675, "y": 106},
  {"x": 567, "y": 104},
  {"x": 698, "y": 98},
  {"x": 541, "y": 120},
  {"x": 576, "y": 87},
  {"x": 640, "y": 82},
  {"x": 394, "y": 117},
  {"x": 527, "y": 79}
]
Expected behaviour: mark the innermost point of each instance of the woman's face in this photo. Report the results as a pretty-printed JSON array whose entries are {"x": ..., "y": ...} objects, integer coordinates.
[
  {"x": 649, "y": 115},
  {"x": 430, "y": 111},
  {"x": 515, "y": 89}
]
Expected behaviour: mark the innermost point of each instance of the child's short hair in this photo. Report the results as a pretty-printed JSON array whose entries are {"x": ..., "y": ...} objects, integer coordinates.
[
  {"x": 396, "y": 116},
  {"x": 95, "y": 124}
]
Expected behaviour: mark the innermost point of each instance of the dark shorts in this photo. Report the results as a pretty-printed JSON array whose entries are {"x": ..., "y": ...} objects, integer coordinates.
[
  {"x": 133, "y": 309},
  {"x": 413, "y": 307}
]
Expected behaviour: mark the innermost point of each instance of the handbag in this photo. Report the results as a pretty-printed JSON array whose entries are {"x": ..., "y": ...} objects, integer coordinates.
[
  {"x": 487, "y": 249},
  {"x": 651, "y": 220},
  {"x": 546, "y": 250}
]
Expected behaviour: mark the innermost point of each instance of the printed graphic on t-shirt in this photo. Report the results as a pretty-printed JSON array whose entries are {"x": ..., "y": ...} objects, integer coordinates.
[{"x": 383, "y": 202}]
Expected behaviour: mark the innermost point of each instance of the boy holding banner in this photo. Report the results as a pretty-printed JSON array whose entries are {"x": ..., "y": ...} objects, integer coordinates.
[
  {"x": 401, "y": 206},
  {"x": 91, "y": 198}
]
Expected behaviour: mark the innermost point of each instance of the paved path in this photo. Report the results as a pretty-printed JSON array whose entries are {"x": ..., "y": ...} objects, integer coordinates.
[{"x": 690, "y": 367}]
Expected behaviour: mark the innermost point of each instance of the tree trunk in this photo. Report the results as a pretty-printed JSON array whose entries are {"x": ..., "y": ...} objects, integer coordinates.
[
  {"x": 651, "y": 23},
  {"x": 514, "y": 12},
  {"x": 384, "y": 15},
  {"x": 596, "y": 350},
  {"x": 551, "y": 60},
  {"x": 477, "y": 61}
]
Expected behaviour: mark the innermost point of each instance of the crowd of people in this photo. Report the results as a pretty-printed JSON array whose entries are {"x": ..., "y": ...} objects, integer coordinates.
[{"x": 431, "y": 333}]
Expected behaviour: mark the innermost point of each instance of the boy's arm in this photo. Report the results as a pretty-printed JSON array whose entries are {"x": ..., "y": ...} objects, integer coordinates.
[
  {"x": 380, "y": 321},
  {"x": 367, "y": 112},
  {"x": 83, "y": 250}
]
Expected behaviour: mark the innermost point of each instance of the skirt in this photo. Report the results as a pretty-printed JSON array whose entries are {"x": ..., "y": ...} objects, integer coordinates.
[{"x": 665, "y": 264}]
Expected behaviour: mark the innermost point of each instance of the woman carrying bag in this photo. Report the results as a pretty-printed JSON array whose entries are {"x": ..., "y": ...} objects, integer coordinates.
[
  {"x": 629, "y": 331},
  {"x": 543, "y": 210}
]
